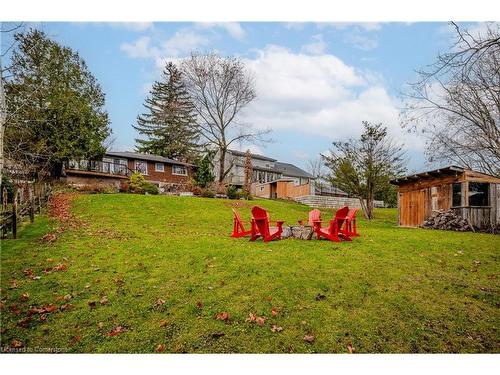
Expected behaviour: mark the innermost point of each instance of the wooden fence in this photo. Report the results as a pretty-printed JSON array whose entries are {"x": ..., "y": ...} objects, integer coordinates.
[{"x": 28, "y": 200}]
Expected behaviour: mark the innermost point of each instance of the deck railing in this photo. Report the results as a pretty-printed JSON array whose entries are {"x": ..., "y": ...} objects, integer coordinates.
[{"x": 99, "y": 167}]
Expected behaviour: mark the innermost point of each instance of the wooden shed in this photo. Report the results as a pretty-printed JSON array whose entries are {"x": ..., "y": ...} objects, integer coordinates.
[{"x": 472, "y": 195}]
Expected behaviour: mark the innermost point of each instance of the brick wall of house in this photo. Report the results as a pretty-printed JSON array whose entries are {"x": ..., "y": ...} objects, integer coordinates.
[{"x": 165, "y": 177}]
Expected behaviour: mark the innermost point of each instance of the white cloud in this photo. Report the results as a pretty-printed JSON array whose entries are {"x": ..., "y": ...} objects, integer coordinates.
[
  {"x": 297, "y": 26},
  {"x": 365, "y": 26},
  {"x": 182, "y": 42},
  {"x": 361, "y": 42},
  {"x": 319, "y": 95},
  {"x": 133, "y": 26},
  {"x": 317, "y": 47},
  {"x": 234, "y": 29},
  {"x": 141, "y": 48}
]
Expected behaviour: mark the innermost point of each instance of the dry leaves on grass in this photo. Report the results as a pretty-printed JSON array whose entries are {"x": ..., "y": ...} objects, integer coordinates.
[
  {"x": 49, "y": 237},
  {"x": 350, "y": 348},
  {"x": 16, "y": 344},
  {"x": 223, "y": 316},
  {"x": 251, "y": 318},
  {"x": 42, "y": 310},
  {"x": 117, "y": 330},
  {"x": 274, "y": 311},
  {"x": 29, "y": 273},
  {"x": 13, "y": 284},
  {"x": 199, "y": 305},
  {"x": 104, "y": 300},
  {"x": 309, "y": 338},
  {"x": 158, "y": 303},
  {"x": 25, "y": 322},
  {"x": 160, "y": 348},
  {"x": 100, "y": 325},
  {"x": 275, "y": 328},
  {"x": 24, "y": 297},
  {"x": 261, "y": 320}
]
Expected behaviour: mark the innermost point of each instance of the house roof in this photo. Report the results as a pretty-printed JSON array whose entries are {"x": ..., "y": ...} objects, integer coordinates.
[
  {"x": 291, "y": 170},
  {"x": 255, "y": 156},
  {"x": 446, "y": 171},
  {"x": 140, "y": 156}
]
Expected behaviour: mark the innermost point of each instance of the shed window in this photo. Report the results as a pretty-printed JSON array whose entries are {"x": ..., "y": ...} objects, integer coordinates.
[
  {"x": 478, "y": 194},
  {"x": 457, "y": 195}
]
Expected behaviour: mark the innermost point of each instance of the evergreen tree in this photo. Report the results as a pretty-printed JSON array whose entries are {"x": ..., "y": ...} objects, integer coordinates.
[
  {"x": 169, "y": 124},
  {"x": 204, "y": 175},
  {"x": 55, "y": 105}
]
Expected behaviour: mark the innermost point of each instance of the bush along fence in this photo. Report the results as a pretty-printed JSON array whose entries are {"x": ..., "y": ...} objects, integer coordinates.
[{"x": 27, "y": 200}]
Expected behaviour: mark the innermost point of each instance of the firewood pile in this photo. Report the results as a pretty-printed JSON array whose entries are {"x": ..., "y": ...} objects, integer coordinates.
[{"x": 446, "y": 220}]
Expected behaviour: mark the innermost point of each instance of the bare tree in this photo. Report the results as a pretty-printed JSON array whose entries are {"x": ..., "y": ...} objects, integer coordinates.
[
  {"x": 220, "y": 89},
  {"x": 455, "y": 103},
  {"x": 316, "y": 167},
  {"x": 7, "y": 30},
  {"x": 363, "y": 167}
]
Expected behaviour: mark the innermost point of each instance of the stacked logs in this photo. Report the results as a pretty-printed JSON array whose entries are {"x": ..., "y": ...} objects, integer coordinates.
[{"x": 446, "y": 220}]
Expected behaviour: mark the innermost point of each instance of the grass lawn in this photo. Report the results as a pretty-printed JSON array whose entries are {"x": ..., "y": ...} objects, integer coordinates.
[{"x": 163, "y": 267}]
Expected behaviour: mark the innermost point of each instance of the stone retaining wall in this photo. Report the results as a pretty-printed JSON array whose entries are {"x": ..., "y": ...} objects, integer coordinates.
[{"x": 321, "y": 201}]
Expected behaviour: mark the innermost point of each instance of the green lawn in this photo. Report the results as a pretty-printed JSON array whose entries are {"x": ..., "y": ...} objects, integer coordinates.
[{"x": 392, "y": 290}]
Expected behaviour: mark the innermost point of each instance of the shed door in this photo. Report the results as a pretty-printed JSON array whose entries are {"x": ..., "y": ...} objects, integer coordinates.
[{"x": 411, "y": 208}]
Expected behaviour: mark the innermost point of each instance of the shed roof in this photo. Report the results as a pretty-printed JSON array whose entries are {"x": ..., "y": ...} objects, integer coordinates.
[
  {"x": 440, "y": 172},
  {"x": 140, "y": 156}
]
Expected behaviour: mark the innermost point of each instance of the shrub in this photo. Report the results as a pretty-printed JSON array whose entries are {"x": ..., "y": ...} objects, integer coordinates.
[
  {"x": 136, "y": 183},
  {"x": 151, "y": 188},
  {"x": 207, "y": 193},
  {"x": 123, "y": 187},
  {"x": 232, "y": 192}
]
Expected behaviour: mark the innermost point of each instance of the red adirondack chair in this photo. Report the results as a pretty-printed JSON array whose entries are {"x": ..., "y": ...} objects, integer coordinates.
[
  {"x": 333, "y": 231},
  {"x": 314, "y": 215},
  {"x": 349, "y": 227},
  {"x": 261, "y": 228},
  {"x": 238, "y": 228}
]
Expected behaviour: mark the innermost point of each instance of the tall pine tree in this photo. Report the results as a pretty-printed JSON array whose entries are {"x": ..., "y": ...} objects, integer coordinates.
[{"x": 169, "y": 125}]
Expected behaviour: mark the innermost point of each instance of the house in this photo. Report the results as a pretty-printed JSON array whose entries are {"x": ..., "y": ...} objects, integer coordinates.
[
  {"x": 470, "y": 194},
  {"x": 270, "y": 178},
  {"x": 116, "y": 167}
]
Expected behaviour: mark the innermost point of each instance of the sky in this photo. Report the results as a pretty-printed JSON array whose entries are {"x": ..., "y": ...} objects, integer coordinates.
[{"x": 315, "y": 82}]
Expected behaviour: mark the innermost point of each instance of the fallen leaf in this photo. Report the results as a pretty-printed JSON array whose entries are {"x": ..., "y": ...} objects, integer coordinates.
[
  {"x": 15, "y": 310},
  {"x": 24, "y": 297},
  {"x": 60, "y": 267},
  {"x": 261, "y": 320},
  {"x": 222, "y": 316},
  {"x": 163, "y": 323},
  {"x": 25, "y": 322},
  {"x": 67, "y": 297},
  {"x": 350, "y": 348},
  {"x": 13, "y": 284},
  {"x": 76, "y": 339},
  {"x": 275, "y": 328},
  {"x": 116, "y": 331},
  {"x": 216, "y": 335},
  {"x": 16, "y": 344},
  {"x": 100, "y": 325},
  {"x": 43, "y": 317},
  {"x": 160, "y": 348},
  {"x": 66, "y": 306},
  {"x": 92, "y": 304},
  {"x": 309, "y": 338},
  {"x": 251, "y": 317},
  {"x": 274, "y": 312},
  {"x": 158, "y": 303},
  {"x": 199, "y": 304},
  {"x": 49, "y": 237},
  {"x": 320, "y": 297},
  {"x": 104, "y": 300}
]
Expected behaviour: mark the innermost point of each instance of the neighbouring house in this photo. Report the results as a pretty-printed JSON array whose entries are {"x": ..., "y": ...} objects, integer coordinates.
[
  {"x": 470, "y": 194},
  {"x": 116, "y": 167},
  {"x": 270, "y": 178}
]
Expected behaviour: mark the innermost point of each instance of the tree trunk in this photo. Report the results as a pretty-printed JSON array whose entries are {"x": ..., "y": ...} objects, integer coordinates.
[{"x": 222, "y": 164}]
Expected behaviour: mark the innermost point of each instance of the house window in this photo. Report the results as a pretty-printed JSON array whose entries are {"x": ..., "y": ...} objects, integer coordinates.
[
  {"x": 296, "y": 181},
  {"x": 179, "y": 170},
  {"x": 457, "y": 195},
  {"x": 159, "y": 167},
  {"x": 478, "y": 194},
  {"x": 261, "y": 188},
  {"x": 141, "y": 167}
]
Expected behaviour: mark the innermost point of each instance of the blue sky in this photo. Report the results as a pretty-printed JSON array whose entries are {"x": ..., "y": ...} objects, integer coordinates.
[{"x": 315, "y": 82}]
